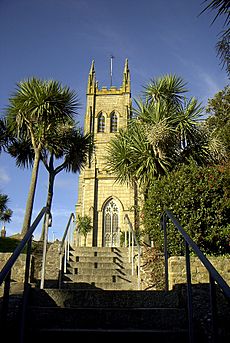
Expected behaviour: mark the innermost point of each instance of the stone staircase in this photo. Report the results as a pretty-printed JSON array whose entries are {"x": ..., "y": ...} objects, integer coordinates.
[
  {"x": 99, "y": 300},
  {"x": 105, "y": 314},
  {"x": 106, "y": 268}
]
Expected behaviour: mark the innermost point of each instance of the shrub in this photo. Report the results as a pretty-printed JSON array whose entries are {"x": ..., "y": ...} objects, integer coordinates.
[{"x": 199, "y": 197}]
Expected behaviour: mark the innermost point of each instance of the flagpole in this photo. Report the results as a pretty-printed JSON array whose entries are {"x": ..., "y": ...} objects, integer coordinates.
[{"x": 111, "y": 70}]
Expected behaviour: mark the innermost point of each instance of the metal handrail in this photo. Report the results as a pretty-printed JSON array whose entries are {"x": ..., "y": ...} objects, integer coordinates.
[
  {"x": 64, "y": 249},
  {"x": 9, "y": 264},
  {"x": 132, "y": 238},
  {"x": 214, "y": 276},
  {"x": 5, "y": 274}
]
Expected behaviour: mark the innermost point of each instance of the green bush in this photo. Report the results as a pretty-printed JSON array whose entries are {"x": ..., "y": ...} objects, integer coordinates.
[{"x": 199, "y": 197}]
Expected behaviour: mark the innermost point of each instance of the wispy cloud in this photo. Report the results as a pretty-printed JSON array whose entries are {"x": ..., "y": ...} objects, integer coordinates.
[
  {"x": 60, "y": 218},
  {"x": 65, "y": 183},
  {"x": 206, "y": 83},
  {"x": 61, "y": 212},
  {"x": 4, "y": 177}
]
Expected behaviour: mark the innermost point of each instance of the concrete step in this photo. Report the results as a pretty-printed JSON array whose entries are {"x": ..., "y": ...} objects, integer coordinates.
[
  {"x": 101, "y": 298},
  {"x": 98, "y": 278},
  {"x": 100, "y": 250},
  {"x": 105, "y": 315},
  {"x": 99, "y": 265},
  {"x": 107, "y": 318},
  {"x": 78, "y": 270},
  {"x": 156, "y": 336},
  {"x": 99, "y": 259},
  {"x": 119, "y": 285}
]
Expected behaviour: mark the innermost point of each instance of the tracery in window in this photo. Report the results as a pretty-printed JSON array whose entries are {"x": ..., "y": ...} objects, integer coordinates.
[{"x": 111, "y": 219}]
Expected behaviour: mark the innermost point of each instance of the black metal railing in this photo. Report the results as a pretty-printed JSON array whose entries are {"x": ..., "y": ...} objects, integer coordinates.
[
  {"x": 5, "y": 274},
  {"x": 133, "y": 241},
  {"x": 214, "y": 276},
  {"x": 64, "y": 249}
]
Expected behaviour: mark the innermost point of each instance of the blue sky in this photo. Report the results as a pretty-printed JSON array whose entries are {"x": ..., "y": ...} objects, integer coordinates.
[{"x": 58, "y": 39}]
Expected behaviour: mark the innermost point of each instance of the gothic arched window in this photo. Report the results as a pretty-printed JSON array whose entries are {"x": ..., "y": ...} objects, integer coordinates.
[
  {"x": 101, "y": 123},
  {"x": 111, "y": 222},
  {"x": 113, "y": 122}
]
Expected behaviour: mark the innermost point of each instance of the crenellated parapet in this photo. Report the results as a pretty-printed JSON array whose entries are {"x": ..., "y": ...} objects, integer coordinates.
[{"x": 92, "y": 87}]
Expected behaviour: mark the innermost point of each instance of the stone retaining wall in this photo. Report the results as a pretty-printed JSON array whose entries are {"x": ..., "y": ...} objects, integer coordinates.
[
  {"x": 152, "y": 268},
  {"x": 199, "y": 274},
  {"x": 18, "y": 270},
  {"x": 52, "y": 264}
]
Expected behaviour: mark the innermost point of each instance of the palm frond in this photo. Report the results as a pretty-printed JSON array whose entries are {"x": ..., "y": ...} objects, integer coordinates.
[
  {"x": 23, "y": 152},
  {"x": 168, "y": 88}
]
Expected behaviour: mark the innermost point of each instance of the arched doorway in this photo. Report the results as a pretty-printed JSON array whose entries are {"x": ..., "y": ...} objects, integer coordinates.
[{"x": 111, "y": 224}]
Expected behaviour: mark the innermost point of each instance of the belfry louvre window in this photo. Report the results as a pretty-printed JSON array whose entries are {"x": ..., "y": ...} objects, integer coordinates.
[
  {"x": 101, "y": 123},
  {"x": 113, "y": 122}
]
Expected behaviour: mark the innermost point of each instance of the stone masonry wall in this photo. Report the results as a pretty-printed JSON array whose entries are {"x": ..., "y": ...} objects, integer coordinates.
[
  {"x": 52, "y": 265},
  {"x": 199, "y": 274},
  {"x": 18, "y": 270},
  {"x": 152, "y": 269}
]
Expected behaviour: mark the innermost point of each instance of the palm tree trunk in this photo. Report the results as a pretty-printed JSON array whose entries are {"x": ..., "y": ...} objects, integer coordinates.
[
  {"x": 48, "y": 200},
  {"x": 31, "y": 194}
]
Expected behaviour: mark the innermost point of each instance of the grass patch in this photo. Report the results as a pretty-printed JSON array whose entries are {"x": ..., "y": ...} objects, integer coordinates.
[{"x": 8, "y": 244}]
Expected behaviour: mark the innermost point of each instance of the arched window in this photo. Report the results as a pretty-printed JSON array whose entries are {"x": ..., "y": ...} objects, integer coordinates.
[
  {"x": 111, "y": 222},
  {"x": 113, "y": 122},
  {"x": 101, "y": 123}
]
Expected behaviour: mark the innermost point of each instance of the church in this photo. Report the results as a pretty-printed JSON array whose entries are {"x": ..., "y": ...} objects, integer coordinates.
[{"x": 106, "y": 201}]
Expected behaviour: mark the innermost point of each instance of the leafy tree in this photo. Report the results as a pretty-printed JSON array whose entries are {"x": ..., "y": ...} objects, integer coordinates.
[
  {"x": 34, "y": 114},
  {"x": 199, "y": 197},
  {"x": 223, "y": 45},
  {"x": 218, "y": 110},
  {"x": 84, "y": 225}
]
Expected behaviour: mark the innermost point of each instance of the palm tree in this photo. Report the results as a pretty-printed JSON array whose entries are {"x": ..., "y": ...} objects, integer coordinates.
[
  {"x": 5, "y": 212},
  {"x": 166, "y": 124},
  {"x": 168, "y": 88},
  {"x": 223, "y": 45},
  {"x": 74, "y": 151},
  {"x": 84, "y": 226},
  {"x": 34, "y": 114},
  {"x": 4, "y": 136},
  {"x": 69, "y": 145}
]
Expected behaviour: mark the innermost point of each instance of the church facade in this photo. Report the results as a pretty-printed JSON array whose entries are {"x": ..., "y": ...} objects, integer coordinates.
[{"x": 99, "y": 195}]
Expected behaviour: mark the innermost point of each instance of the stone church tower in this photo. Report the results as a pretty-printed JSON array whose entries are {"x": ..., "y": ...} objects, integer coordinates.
[{"x": 99, "y": 196}]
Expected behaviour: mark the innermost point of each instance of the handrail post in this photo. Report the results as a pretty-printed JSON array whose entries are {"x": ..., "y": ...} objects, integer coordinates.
[
  {"x": 213, "y": 308},
  {"x": 60, "y": 271},
  {"x": 5, "y": 300},
  {"x": 65, "y": 257},
  {"x": 132, "y": 254},
  {"x": 44, "y": 251},
  {"x": 189, "y": 293},
  {"x": 64, "y": 249},
  {"x": 129, "y": 239},
  {"x": 139, "y": 268},
  {"x": 163, "y": 223},
  {"x": 26, "y": 290}
]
